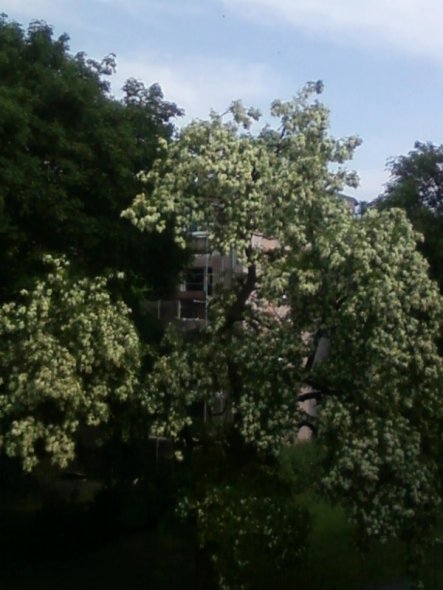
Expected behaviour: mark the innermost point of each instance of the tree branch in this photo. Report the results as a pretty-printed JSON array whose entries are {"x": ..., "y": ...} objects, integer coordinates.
[
  {"x": 316, "y": 394},
  {"x": 309, "y": 424},
  {"x": 235, "y": 312}
]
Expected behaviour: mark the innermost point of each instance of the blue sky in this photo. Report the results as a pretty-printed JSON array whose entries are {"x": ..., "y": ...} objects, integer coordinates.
[{"x": 381, "y": 60}]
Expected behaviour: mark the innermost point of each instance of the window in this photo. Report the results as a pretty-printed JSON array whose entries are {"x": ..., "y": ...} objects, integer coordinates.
[{"x": 199, "y": 279}]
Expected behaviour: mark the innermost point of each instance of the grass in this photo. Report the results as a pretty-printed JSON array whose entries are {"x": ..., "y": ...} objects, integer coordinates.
[{"x": 334, "y": 562}]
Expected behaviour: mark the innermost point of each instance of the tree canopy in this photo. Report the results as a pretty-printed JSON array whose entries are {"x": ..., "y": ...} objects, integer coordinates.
[
  {"x": 357, "y": 281},
  {"x": 68, "y": 161},
  {"x": 69, "y": 356},
  {"x": 72, "y": 357},
  {"x": 416, "y": 185}
]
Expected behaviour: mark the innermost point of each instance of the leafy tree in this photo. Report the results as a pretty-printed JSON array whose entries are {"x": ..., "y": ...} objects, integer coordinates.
[
  {"x": 381, "y": 410},
  {"x": 416, "y": 185},
  {"x": 249, "y": 523},
  {"x": 69, "y": 358},
  {"x": 357, "y": 281},
  {"x": 69, "y": 154}
]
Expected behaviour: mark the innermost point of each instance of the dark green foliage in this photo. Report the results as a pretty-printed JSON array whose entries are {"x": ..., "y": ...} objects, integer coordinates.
[
  {"x": 301, "y": 466},
  {"x": 252, "y": 532},
  {"x": 416, "y": 186},
  {"x": 69, "y": 155}
]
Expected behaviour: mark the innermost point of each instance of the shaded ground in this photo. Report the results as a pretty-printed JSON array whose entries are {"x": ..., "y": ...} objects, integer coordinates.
[
  {"x": 76, "y": 549},
  {"x": 71, "y": 555}
]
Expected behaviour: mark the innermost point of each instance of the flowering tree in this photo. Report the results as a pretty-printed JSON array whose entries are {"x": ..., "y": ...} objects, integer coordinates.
[
  {"x": 68, "y": 355},
  {"x": 381, "y": 411},
  {"x": 218, "y": 176},
  {"x": 357, "y": 281}
]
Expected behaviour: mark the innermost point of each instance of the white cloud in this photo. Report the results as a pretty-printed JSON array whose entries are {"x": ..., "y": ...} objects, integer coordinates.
[
  {"x": 199, "y": 84},
  {"x": 413, "y": 26}
]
